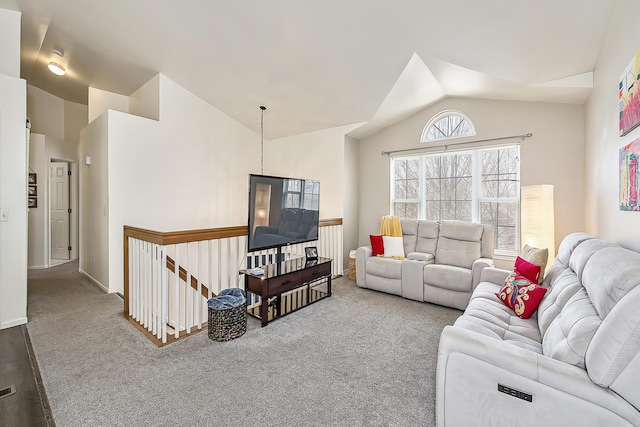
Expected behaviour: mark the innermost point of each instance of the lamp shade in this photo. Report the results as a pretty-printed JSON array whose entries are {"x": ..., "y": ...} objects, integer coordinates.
[{"x": 537, "y": 225}]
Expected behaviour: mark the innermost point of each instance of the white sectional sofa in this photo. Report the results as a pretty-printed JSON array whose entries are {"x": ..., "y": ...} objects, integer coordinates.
[
  {"x": 443, "y": 262},
  {"x": 575, "y": 362}
]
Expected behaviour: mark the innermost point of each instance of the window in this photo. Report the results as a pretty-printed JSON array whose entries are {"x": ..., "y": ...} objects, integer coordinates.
[
  {"x": 299, "y": 193},
  {"x": 447, "y": 124},
  {"x": 480, "y": 185}
]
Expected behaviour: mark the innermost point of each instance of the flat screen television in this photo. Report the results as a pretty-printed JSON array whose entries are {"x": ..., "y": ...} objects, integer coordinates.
[{"x": 282, "y": 211}]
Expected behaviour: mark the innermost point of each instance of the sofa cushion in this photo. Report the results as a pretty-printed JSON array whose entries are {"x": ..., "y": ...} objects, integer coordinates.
[
  {"x": 527, "y": 269},
  {"x": 616, "y": 298},
  {"x": 567, "y": 320},
  {"x": 377, "y": 245},
  {"x": 459, "y": 243},
  {"x": 486, "y": 315},
  {"x": 384, "y": 267},
  {"x": 448, "y": 277},
  {"x": 393, "y": 246},
  {"x": 536, "y": 256},
  {"x": 569, "y": 335},
  {"x": 564, "y": 287},
  {"x": 409, "y": 234},
  {"x": 427, "y": 237},
  {"x": 521, "y": 295},
  {"x": 421, "y": 256}
]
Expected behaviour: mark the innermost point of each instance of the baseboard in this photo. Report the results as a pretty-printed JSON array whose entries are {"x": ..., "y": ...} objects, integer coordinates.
[
  {"x": 37, "y": 267},
  {"x": 94, "y": 281},
  {"x": 16, "y": 322}
]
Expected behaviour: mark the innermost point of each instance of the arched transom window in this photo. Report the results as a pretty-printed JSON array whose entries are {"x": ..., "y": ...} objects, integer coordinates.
[{"x": 447, "y": 124}]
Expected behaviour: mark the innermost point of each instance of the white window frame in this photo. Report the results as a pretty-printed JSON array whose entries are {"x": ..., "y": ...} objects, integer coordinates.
[
  {"x": 446, "y": 113},
  {"x": 477, "y": 199}
]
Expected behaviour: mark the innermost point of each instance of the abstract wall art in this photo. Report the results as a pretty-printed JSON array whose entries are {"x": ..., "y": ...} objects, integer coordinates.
[
  {"x": 629, "y": 97},
  {"x": 629, "y": 176}
]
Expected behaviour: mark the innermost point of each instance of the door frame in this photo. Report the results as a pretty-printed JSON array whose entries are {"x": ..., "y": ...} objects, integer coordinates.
[{"x": 73, "y": 203}]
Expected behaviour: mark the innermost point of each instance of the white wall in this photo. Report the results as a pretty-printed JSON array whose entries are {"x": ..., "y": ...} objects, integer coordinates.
[
  {"x": 100, "y": 101},
  {"x": 351, "y": 184},
  {"x": 54, "y": 116},
  {"x": 187, "y": 171},
  {"x": 320, "y": 155},
  {"x": 38, "y": 238},
  {"x": 93, "y": 189},
  {"x": 145, "y": 102},
  {"x": 603, "y": 216},
  {"x": 10, "y": 42},
  {"x": 13, "y": 176},
  {"x": 554, "y": 155}
]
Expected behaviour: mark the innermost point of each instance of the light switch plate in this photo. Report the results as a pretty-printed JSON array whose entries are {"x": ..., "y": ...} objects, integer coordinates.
[{"x": 4, "y": 216}]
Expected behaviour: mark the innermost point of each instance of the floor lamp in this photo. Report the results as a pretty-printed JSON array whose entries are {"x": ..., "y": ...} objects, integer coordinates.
[{"x": 537, "y": 218}]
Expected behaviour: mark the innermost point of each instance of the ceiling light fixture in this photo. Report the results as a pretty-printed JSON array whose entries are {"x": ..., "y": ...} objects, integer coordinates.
[
  {"x": 54, "y": 67},
  {"x": 57, "y": 69}
]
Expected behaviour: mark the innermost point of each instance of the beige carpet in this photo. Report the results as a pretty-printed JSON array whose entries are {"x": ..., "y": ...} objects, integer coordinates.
[{"x": 359, "y": 358}]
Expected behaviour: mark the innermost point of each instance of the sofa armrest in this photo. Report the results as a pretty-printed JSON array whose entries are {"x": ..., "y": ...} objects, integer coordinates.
[
  {"x": 494, "y": 275},
  {"x": 471, "y": 365},
  {"x": 476, "y": 269},
  {"x": 362, "y": 253}
]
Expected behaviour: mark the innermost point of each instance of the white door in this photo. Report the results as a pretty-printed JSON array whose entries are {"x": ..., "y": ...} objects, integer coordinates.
[{"x": 59, "y": 209}]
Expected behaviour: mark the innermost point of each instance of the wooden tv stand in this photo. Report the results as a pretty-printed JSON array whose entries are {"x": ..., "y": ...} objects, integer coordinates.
[{"x": 287, "y": 286}]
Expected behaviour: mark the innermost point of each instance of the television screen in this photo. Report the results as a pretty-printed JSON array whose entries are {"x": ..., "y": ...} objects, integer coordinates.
[{"x": 282, "y": 211}]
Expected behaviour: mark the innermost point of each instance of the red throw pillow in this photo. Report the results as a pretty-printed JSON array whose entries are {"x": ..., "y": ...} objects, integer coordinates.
[
  {"x": 521, "y": 295},
  {"x": 527, "y": 269},
  {"x": 377, "y": 245}
]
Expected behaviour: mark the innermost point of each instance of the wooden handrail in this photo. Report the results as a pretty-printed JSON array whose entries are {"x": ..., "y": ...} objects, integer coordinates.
[
  {"x": 185, "y": 236},
  {"x": 171, "y": 265}
]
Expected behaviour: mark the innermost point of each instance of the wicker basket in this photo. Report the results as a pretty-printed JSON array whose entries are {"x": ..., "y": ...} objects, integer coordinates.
[
  {"x": 352, "y": 269},
  {"x": 227, "y": 323}
]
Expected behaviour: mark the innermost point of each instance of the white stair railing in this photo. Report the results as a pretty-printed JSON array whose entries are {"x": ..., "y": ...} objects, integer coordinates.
[{"x": 170, "y": 276}]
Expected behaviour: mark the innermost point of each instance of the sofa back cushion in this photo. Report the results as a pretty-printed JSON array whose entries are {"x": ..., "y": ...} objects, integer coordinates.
[
  {"x": 427, "y": 237},
  {"x": 459, "y": 243},
  {"x": 409, "y": 234},
  {"x": 488, "y": 240},
  {"x": 611, "y": 277},
  {"x": 561, "y": 262},
  {"x": 567, "y": 317},
  {"x": 567, "y": 320}
]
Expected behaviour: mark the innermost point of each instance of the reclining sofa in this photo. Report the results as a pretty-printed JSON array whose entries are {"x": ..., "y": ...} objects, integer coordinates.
[
  {"x": 575, "y": 362},
  {"x": 443, "y": 262}
]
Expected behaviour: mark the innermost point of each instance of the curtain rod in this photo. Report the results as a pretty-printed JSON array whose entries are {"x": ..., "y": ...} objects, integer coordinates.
[{"x": 522, "y": 137}]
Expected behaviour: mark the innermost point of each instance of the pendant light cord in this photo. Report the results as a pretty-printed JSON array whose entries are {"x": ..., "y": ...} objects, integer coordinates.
[{"x": 262, "y": 139}]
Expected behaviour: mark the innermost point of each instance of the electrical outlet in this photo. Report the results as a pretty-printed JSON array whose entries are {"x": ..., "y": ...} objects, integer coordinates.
[{"x": 4, "y": 216}]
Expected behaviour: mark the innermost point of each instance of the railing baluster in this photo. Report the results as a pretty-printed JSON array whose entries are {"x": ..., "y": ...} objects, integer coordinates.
[
  {"x": 176, "y": 303},
  {"x": 210, "y": 261},
  {"x": 199, "y": 303},
  {"x": 164, "y": 304}
]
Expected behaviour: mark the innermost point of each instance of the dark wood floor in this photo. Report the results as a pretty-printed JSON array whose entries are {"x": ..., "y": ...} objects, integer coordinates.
[{"x": 29, "y": 405}]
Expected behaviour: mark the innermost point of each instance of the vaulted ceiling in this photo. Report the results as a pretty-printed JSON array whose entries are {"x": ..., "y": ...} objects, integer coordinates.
[{"x": 317, "y": 65}]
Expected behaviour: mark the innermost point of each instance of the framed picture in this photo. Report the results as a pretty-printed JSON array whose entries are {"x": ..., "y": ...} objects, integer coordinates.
[
  {"x": 33, "y": 202},
  {"x": 32, "y": 178},
  {"x": 629, "y": 96},
  {"x": 33, "y": 191},
  {"x": 311, "y": 252}
]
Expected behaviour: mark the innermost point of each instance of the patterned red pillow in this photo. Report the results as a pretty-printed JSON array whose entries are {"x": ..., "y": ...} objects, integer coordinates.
[
  {"x": 521, "y": 295},
  {"x": 527, "y": 269},
  {"x": 377, "y": 245}
]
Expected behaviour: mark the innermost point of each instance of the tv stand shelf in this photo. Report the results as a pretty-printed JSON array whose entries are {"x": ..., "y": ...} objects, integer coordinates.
[{"x": 288, "y": 286}]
